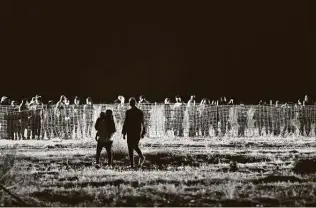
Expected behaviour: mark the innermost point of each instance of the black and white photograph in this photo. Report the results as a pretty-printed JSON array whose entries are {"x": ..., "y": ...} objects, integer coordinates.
[{"x": 158, "y": 103}]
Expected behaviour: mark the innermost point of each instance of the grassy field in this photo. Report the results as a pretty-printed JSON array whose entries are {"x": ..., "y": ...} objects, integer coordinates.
[{"x": 177, "y": 172}]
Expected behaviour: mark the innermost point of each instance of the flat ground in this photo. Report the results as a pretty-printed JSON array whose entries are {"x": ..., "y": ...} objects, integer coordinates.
[{"x": 177, "y": 172}]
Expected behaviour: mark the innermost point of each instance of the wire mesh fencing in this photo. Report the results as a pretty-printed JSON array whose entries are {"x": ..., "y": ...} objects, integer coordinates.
[{"x": 161, "y": 120}]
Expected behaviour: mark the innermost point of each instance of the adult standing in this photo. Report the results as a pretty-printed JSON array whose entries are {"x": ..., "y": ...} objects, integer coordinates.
[
  {"x": 135, "y": 129},
  {"x": 88, "y": 112}
]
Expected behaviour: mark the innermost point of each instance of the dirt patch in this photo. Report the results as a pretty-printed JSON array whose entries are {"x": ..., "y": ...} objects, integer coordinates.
[
  {"x": 237, "y": 203},
  {"x": 276, "y": 178},
  {"x": 268, "y": 202},
  {"x": 69, "y": 198},
  {"x": 307, "y": 166}
]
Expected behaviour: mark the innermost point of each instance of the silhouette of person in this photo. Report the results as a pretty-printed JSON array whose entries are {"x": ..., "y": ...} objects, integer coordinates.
[
  {"x": 135, "y": 129},
  {"x": 105, "y": 127}
]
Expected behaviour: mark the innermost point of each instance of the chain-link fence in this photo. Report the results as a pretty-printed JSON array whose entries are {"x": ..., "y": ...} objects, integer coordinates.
[{"x": 161, "y": 120}]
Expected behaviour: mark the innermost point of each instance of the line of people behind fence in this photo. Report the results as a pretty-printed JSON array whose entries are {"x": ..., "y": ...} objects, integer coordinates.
[
  {"x": 275, "y": 119},
  {"x": 34, "y": 120},
  {"x": 66, "y": 120}
]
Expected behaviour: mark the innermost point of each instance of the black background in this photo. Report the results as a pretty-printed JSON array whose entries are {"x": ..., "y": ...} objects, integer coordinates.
[{"x": 248, "y": 50}]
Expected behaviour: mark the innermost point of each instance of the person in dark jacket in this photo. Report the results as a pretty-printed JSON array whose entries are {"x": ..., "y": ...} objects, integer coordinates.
[
  {"x": 105, "y": 127},
  {"x": 135, "y": 129}
]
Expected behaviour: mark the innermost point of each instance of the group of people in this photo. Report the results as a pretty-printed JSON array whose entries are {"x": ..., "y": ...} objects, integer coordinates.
[
  {"x": 221, "y": 115},
  {"x": 270, "y": 117},
  {"x": 74, "y": 120},
  {"x": 134, "y": 128},
  {"x": 31, "y": 119}
]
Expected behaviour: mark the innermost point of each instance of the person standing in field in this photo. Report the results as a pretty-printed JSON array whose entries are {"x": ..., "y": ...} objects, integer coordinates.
[
  {"x": 213, "y": 112},
  {"x": 192, "y": 113},
  {"x": 242, "y": 120},
  {"x": 204, "y": 117},
  {"x": 23, "y": 110},
  {"x": 59, "y": 116},
  {"x": 68, "y": 119},
  {"x": 276, "y": 118},
  {"x": 51, "y": 121},
  {"x": 32, "y": 119},
  {"x": 167, "y": 114},
  {"x": 134, "y": 128},
  {"x": 286, "y": 117},
  {"x": 307, "y": 120},
  {"x": 178, "y": 109},
  {"x": 121, "y": 110},
  {"x": 13, "y": 121},
  {"x": 259, "y": 118},
  {"x": 144, "y": 105},
  {"x": 37, "y": 119},
  {"x": 105, "y": 128},
  {"x": 77, "y": 117},
  {"x": 223, "y": 114},
  {"x": 88, "y": 112}
]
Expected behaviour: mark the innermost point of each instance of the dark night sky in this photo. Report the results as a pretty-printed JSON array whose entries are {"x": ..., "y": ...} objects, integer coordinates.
[{"x": 249, "y": 50}]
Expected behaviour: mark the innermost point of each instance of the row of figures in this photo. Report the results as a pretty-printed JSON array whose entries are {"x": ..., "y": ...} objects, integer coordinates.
[
  {"x": 35, "y": 120},
  {"x": 213, "y": 119},
  {"x": 64, "y": 120}
]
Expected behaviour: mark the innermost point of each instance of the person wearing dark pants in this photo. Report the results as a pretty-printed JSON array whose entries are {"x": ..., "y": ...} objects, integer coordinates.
[
  {"x": 108, "y": 148},
  {"x": 135, "y": 129},
  {"x": 105, "y": 127}
]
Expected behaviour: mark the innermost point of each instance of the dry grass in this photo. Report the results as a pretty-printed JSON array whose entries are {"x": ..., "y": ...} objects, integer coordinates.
[{"x": 178, "y": 172}]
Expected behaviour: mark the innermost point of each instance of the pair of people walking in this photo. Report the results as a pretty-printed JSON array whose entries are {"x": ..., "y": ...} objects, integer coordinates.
[{"x": 133, "y": 128}]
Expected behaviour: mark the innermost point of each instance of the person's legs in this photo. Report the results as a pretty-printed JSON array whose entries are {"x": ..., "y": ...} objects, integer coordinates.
[
  {"x": 239, "y": 130},
  {"x": 302, "y": 127},
  {"x": 223, "y": 127},
  {"x": 108, "y": 147},
  {"x": 33, "y": 128},
  {"x": 260, "y": 126},
  {"x": 99, "y": 149},
  {"x": 286, "y": 126},
  {"x": 139, "y": 152},
  {"x": 38, "y": 128},
  {"x": 215, "y": 127},
  {"x": 130, "y": 152},
  {"x": 180, "y": 127},
  {"x": 307, "y": 127}
]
